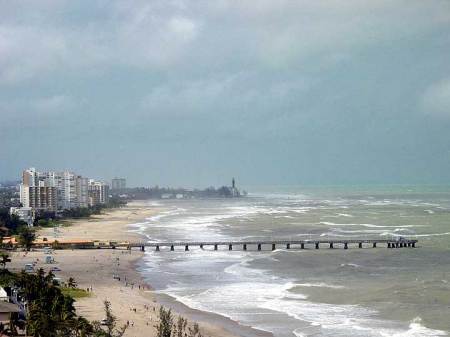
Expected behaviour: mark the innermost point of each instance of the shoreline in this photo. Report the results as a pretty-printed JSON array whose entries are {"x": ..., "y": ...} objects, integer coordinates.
[
  {"x": 132, "y": 300},
  {"x": 208, "y": 321},
  {"x": 204, "y": 317}
]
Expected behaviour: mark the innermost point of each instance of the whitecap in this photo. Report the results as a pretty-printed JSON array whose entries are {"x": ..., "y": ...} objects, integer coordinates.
[{"x": 319, "y": 285}]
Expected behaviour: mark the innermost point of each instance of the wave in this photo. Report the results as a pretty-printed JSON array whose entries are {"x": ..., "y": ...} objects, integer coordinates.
[
  {"x": 319, "y": 285},
  {"x": 368, "y": 225},
  {"x": 415, "y": 329},
  {"x": 432, "y": 234},
  {"x": 345, "y": 215},
  {"x": 346, "y": 319},
  {"x": 353, "y": 265}
]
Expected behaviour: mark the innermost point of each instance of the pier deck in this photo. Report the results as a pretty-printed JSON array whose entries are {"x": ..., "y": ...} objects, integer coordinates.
[{"x": 274, "y": 244}]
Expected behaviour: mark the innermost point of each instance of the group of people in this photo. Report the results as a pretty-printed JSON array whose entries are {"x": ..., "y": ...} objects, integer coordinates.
[{"x": 133, "y": 309}]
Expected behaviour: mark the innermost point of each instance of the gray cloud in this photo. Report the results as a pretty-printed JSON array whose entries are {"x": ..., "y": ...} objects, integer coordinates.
[
  {"x": 304, "y": 91},
  {"x": 436, "y": 100}
]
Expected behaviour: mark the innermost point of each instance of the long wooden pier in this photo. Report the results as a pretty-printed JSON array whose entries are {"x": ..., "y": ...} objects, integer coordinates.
[{"x": 273, "y": 244}]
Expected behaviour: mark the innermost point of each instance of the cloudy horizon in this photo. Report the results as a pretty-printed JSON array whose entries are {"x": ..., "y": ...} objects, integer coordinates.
[{"x": 191, "y": 93}]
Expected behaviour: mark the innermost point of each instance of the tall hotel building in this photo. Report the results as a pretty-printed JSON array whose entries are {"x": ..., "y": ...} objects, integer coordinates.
[
  {"x": 35, "y": 193},
  {"x": 52, "y": 191}
]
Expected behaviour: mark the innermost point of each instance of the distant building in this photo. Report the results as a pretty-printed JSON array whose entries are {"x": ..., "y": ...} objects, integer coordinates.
[
  {"x": 40, "y": 198},
  {"x": 98, "y": 193},
  {"x": 118, "y": 184},
  {"x": 53, "y": 191},
  {"x": 82, "y": 191},
  {"x": 24, "y": 213}
]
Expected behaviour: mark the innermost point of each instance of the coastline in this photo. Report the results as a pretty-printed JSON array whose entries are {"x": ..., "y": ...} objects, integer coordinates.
[{"x": 131, "y": 298}]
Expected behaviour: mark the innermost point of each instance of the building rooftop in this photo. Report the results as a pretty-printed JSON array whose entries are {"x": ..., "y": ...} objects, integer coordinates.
[{"x": 8, "y": 307}]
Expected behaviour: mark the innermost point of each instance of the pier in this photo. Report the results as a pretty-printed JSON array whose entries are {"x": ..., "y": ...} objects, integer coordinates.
[{"x": 272, "y": 244}]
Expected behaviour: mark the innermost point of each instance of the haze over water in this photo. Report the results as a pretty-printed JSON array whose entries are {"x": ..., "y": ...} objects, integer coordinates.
[{"x": 354, "y": 292}]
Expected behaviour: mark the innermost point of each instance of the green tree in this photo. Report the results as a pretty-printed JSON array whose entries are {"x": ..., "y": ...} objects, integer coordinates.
[
  {"x": 110, "y": 323},
  {"x": 195, "y": 331},
  {"x": 181, "y": 327},
  {"x": 4, "y": 259},
  {"x": 26, "y": 237},
  {"x": 165, "y": 326},
  {"x": 49, "y": 312},
  {"x": 71, "y": 283}
]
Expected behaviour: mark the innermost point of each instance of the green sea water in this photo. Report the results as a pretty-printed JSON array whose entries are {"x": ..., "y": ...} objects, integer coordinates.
[{"x": 325, "y": 292}]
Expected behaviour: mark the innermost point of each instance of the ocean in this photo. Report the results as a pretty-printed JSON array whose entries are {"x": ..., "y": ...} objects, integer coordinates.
[{"x": 325, "y": 292}]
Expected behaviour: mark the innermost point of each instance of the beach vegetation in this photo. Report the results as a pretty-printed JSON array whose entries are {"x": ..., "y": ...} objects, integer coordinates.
[
  {"x": 50, "y": 310},
  {"x": 167, "y": 327},
  {"x": 116, "y": 202},
  {"x": 26, "y": 237},
  {"x": 46, "y": 222},
  {"x": 71, "y": 283},
  {"x": 110, "y": 323},
  {"x": 75, "y": 293},
  {"x": 10, "y": 222},
  {"x": 50, "y": 313},
  {"x": 4, "y": 259}
]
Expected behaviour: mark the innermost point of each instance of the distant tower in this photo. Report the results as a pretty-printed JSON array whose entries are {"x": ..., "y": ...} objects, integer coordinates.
[{"x": 233, "y": 183}]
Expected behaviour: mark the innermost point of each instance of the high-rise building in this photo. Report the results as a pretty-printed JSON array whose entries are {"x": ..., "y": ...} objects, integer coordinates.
[
  {"x": 118, "y": 184},
  {"x": 30, "y": 177},
  {"x": 82, "y": 191},
  {"x": 39, "y": 198},
  {"x": 98, "y": 193},
  {"x": 65, "y": 189}
]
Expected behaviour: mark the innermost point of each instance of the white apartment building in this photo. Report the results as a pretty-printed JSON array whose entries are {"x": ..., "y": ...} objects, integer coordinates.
[
  {"x": 65, "y": 190},
  {"x": 40, "y": 198},
  {"x": 98, "y": 192},
  {"x": 24, "y": 213}
]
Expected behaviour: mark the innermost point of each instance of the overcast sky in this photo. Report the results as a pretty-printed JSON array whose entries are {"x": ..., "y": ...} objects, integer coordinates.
[{"x": 191, "y": 93}]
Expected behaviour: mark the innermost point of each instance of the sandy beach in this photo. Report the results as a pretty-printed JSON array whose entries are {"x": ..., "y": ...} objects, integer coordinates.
[{"x": 131, "y": 299}]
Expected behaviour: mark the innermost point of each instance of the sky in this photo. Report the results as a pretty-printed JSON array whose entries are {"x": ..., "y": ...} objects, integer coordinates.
[{"x": 192, "y": 93}]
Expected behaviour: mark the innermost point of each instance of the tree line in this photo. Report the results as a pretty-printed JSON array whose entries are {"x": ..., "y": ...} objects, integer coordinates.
[{"x": 49, "y": 312}]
